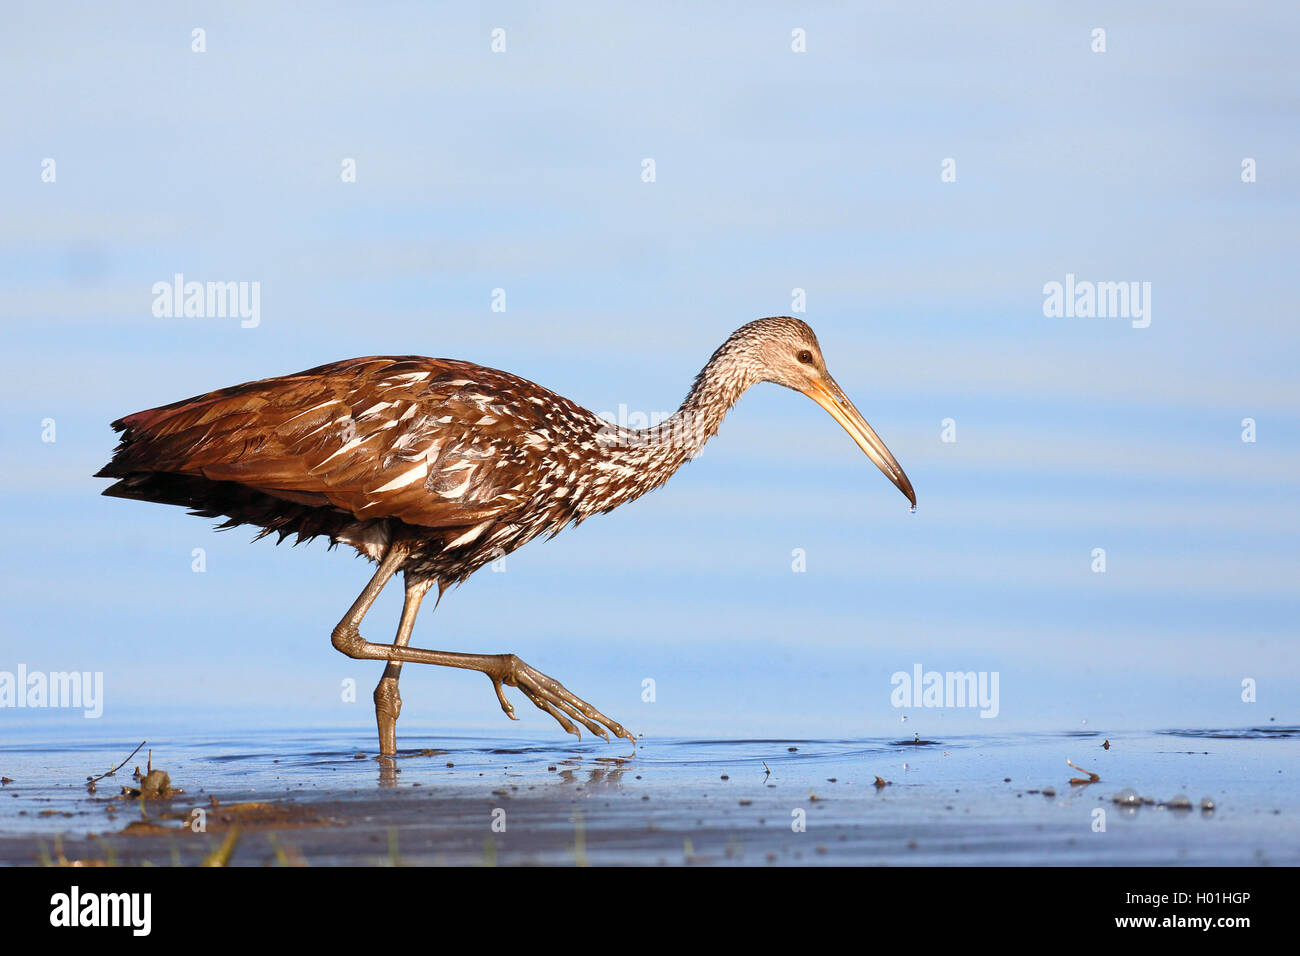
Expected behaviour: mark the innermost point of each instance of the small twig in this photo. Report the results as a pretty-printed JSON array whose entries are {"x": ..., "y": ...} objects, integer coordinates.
[
  {"x": 1076, "y": 781},
  {"x": 119, "y": 766}
]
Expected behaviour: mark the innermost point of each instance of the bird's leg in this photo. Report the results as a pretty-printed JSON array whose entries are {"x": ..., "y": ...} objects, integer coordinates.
[
  {"x": 545, "y": 692},
  {"x": 388, "y": 702}
]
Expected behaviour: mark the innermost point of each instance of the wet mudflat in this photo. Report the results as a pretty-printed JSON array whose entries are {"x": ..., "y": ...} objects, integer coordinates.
[{"x": 1191, "y": 797}]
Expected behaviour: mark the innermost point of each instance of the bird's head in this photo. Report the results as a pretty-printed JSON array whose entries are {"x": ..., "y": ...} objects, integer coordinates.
[{"x": 784, "y": 350}]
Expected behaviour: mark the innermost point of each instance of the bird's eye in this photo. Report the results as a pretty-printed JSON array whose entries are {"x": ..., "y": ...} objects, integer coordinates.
[{"x": 806, "y": 357}]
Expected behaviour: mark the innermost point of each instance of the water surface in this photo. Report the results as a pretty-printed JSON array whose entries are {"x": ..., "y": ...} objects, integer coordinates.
[{"x": 959, "y": 800}]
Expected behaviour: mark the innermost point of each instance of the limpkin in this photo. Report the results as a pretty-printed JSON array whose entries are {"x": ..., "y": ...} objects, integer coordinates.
[{"x": 435, "y": 467}]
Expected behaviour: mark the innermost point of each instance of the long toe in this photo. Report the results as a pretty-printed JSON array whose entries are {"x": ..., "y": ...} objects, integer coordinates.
[{"x": 550, "y": 695}]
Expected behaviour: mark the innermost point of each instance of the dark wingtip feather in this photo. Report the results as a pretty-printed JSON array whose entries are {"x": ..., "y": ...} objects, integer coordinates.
[{"x": 126, "y": 487}]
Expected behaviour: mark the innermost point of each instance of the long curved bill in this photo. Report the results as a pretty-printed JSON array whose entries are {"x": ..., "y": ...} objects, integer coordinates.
[{"x": 827, "y": 393}]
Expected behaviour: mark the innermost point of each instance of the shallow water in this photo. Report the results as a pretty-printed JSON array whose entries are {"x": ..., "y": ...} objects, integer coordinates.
[{"x": 964, "y": 800}]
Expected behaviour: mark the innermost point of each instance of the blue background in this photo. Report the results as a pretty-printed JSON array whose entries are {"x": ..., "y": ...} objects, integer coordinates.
[{"x": 775, "y": 171}]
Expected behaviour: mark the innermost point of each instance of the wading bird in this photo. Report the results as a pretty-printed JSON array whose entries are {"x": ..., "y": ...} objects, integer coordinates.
[{"x": 435, "y": 467}]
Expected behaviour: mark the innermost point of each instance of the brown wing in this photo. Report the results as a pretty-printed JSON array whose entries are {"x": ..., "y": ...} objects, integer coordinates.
[{"x": 434, "y": 442}]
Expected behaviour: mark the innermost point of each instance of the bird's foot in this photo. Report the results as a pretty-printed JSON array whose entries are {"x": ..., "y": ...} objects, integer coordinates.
[{"x": 553, "y": 697}]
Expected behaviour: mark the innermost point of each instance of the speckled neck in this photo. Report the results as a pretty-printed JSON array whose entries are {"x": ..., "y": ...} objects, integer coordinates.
[{"x": 645, "y": 458}]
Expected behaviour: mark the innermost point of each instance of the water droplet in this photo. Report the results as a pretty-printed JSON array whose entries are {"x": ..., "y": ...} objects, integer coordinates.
[{"x": 912, "y": 510}]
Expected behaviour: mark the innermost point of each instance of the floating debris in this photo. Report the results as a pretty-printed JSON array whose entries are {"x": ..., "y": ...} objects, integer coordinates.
[
  {"x": 881, "y": 783},
  {"x": 1178, "y": 802},
  {"x": 1105, "y": 745},
  {"x": 154, "y": 784},
  {"x": 1128, "y": 797},
  {"x": 91, "y": 781},
  {"x": 1076, "y": 781}
]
